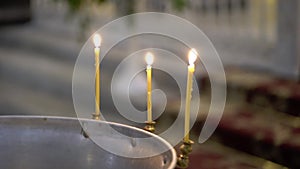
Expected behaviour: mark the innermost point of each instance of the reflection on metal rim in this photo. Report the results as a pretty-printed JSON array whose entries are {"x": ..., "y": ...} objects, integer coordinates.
[{"x": 33, "y": 142}]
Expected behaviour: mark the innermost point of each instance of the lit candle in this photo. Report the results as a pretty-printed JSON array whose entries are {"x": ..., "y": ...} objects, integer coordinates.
[
  {"x": 97, "y": 43},
  {"x": 149, "y": 60},
  {"x": 189, "y": 87}
]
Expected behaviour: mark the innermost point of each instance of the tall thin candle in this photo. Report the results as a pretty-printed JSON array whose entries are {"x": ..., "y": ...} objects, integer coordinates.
[
  {"x": 149, "y": 60},
  {"x": 97, "y": 43},
  {"x": 189, "y": 87}
]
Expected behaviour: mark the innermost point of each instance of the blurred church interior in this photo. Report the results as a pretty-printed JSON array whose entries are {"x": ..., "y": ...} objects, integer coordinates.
[{"x": 258, "y": 42}]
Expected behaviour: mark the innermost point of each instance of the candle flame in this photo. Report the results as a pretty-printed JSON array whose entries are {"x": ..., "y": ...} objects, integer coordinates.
[
  {"x": 97, "y": 40},
  {"x": 149, "y": 58},
  {"x": 192, "y": 56}
]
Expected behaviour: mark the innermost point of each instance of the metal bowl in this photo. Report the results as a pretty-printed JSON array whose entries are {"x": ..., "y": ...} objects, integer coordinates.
[{"x": 31, "y": 142}]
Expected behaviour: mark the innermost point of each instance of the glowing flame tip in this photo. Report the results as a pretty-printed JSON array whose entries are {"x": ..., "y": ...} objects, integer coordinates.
[
  {"x": 97, "y": 40},
  {"x": 149, "y": 58},
  {"x": 192, "y": 56}
]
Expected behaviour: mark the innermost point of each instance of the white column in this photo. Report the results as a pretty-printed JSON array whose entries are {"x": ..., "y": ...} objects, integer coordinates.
[{"x": 286, "y": 59}]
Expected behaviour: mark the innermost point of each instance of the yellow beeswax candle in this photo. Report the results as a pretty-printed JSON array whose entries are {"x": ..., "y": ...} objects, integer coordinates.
[
  {"x": 189, "y": 87},
  {"x": 97, "y": 43},
  {"x": 149, "y": 60}
]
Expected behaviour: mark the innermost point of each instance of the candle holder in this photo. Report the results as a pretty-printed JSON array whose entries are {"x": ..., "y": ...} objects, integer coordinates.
[
  {"x": 186, "y": 149},
  {"x": 96, "y": 116},
  {"x": 84, "y": 133},
  {"x": 150, "y": 126}
]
